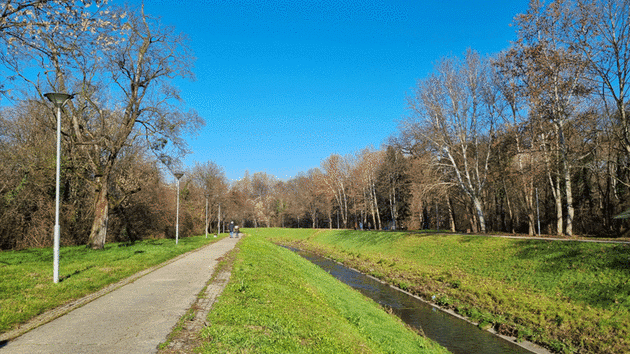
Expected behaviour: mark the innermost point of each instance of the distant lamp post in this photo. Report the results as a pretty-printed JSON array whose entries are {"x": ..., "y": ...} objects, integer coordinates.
[
  {"x": 177, "y": 175},
  {"x": 58, "y": 99},
  {"x": 206, "y": 216}
]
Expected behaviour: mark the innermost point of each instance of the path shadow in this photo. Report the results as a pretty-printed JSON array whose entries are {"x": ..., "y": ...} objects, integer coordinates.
[{"x": 76, "y": 272}]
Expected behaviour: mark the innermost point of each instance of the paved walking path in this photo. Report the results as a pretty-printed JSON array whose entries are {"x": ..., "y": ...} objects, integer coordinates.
[{"x": 132, "y": 319}]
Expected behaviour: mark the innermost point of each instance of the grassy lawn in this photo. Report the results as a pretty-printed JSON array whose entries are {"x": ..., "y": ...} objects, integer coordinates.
[
  {"x": 27, "y": 287},
  {"x": 570, "y": 296},
  {"x": 277, "y": 302}
]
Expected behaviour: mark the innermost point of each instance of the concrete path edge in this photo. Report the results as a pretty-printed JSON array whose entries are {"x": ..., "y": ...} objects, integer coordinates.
[{"x": 59, "y": 311}]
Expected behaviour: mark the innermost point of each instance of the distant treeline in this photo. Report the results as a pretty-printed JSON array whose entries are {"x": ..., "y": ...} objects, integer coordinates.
[{"x": 538, "y": 134}]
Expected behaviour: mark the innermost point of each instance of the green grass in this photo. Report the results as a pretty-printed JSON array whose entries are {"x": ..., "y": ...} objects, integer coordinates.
[
  {"x": 569, "y": 296},
  {"x": 27, "y": 287},
  {"x": 277, "y": 302}
]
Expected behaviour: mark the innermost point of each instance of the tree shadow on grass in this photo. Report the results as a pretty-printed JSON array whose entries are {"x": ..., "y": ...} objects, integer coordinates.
[
  {"x": 366, "y": 238},
  {"x": 592, "y": 273}
]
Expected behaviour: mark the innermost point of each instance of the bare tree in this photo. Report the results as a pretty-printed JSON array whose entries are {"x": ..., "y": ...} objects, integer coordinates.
[
  {"x": 555, "y": 76},
  {"x": 393, "y": 176},
  {"x": 264, "y": 196},
  {"x": 309, "y": 194},
  {"x": 599, "y": 30},
  {"x": 453, "y": 110},
  {"x": 368, "y": 164},
  {"x": 151, "y": 108},
  {"x": 211, "y": 180},
  {"x": 336, "y": 173},
  {"x": 58, "y": 36},
  {"x": 524, "y": 157},
  {"x": 119, "y": 65}
]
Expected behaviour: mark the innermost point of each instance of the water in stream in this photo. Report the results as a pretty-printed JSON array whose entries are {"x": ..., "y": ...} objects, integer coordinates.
[{"x": 458, "y": 336}]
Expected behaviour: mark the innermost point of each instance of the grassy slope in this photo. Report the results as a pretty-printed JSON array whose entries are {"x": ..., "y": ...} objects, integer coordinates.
[
  {"x": 27, "y": 289},
  {"x": 277, "y": 302},
  {"x": 569, "y": 296}
]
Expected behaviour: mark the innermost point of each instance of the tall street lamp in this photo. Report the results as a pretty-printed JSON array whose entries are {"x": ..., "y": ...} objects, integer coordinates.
[
  {"x": 58, "y": 99},
  {"x": 177, "y": 175},
  {"x": 206, "y": 216}
]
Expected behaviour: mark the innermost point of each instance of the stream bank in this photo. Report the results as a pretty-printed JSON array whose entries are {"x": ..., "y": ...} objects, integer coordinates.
[
  {"x": 451, "y": 330},
  {"x": 570, "y": 297}
]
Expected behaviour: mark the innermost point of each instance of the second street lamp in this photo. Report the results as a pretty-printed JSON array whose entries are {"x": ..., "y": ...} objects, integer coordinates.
[
  {"x": 58, "y": 99},
  {"x": 177, "y": 175},
  {"x": 206, "y": 216}
]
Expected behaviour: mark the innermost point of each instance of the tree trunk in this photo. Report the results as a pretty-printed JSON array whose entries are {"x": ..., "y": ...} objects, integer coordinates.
[
  {"x": 344, "y": 211},
  {"x": 474, "y": 224},
  {"x": 451, "y": 214},
  {"x": 420, "y": 215},
  {"x": 314, "y": 218},
  {"x": 531, "y": 221},
  {"x": 372, "y": 207},
  {"x": 479, "y": 209},
  {"x": 510, "y": 213},
  {"x": 393, "y": 206},
  {"x": 101, "y": 217},
  {"x": 567, "y": 176},
  {"x": 569, "y": 193},
  {"x": 558, "y": 196},
  {"x": 378, "y": 214}
]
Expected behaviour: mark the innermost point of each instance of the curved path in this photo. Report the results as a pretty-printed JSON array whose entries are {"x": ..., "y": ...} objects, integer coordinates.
[{"x": 135, "y": 318}]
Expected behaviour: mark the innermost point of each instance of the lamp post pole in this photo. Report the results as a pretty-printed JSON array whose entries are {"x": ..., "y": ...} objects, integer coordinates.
[
  {"x": 58, "y": 99},
  {"x": 206, "y": 217},
  {"x": 177, "y": 175}
]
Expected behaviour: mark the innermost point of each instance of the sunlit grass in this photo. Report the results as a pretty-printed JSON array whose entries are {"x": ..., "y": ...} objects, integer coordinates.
[
  {"x": 570, "y": 296},
  {"x": 277, "y": 302},
  {"x": 27, "y": 287}
]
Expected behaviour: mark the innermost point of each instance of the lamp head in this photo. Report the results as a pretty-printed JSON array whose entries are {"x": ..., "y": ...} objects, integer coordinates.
[{"x": 58, "y": 98}]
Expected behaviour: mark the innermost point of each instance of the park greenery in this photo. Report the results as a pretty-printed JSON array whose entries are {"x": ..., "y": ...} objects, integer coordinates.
[
  {"x": 26, "y": 289},
  {"x": 277, "y": 302},
  {"x": 568, "y": 296},
  {"x": 535, "y": 139}
]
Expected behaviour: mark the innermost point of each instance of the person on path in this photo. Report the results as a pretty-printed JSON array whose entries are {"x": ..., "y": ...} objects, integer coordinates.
[{"x": 231, "y": 227}]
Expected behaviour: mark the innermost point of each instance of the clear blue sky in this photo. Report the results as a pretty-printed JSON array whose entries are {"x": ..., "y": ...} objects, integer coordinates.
[{"x": 282, "y": 85}]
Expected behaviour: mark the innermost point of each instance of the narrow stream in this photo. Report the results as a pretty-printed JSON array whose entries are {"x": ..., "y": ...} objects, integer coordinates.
[{"x": 458, "y": 336}]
